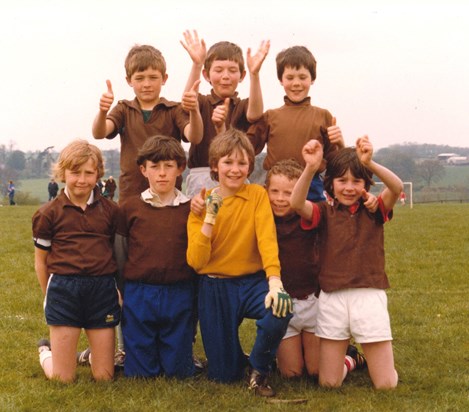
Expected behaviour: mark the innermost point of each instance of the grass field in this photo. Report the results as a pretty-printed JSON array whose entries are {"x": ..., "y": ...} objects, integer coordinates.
[{"x": 427, "y": 263}]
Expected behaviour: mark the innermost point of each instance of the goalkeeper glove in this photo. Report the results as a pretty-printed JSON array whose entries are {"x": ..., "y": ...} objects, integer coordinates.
[
  {"x": 213, "y": 204},
  {"x": 278, "y": 298}
]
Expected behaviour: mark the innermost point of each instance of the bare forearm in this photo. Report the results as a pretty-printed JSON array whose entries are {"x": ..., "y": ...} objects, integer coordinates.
[
  {"x": 194, "y": 75},
  {"x": 300, "y": 191},
  {"x": 42, "y": 276},
  {"x": 99, "y": 126},
  {"x": 389, "y": 178},
  {"x": 195, "y": 129},
  {"x": 256, "y": 103}
]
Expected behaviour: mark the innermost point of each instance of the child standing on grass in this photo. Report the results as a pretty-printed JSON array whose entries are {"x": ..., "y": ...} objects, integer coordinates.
[
  {"x": 73, "y": 238},
  {"x": 157, "y": 314},
  {"x": 223, "y": 67},
  {"x": 147, "y": 115},
  {"x": 286, "y": 129},
  {"x": 299, "y": 251},
  {"x": 352, "y": 301},
  {"x": 11, "y": 193},
  {"x": 234, "y": 248}
]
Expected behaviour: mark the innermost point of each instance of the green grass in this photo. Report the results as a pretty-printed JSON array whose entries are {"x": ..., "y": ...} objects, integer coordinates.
[
  {"x": 454, "y": 176},
  {"x": 36, "y": 187},
  {"x": 427, "y": 262}
]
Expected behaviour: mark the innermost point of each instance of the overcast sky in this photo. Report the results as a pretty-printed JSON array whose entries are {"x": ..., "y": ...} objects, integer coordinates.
[{"x": 395, "y": 70}]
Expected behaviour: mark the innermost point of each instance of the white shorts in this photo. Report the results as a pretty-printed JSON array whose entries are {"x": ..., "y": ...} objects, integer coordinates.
[
  {"x": 361, "y": 313},
  {"x": 198, "y": 178},
  {"x": 305, "y": 312}
]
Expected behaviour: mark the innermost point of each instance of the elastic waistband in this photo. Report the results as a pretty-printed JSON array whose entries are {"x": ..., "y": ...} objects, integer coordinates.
[
  {"x": 199, "y": 170},
  {"x": 222, "y": 276},
  {"x": 78, "y": 275}
]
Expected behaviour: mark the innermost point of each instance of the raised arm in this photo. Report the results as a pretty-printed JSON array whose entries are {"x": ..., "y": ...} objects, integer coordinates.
[
  {"x": 102, "y": 126},
  {"x": 197, "y": 52},
  {"x": 194, "y": 130},
  {"x": 312, "y": 154},
  {"x": 393, "y": 183},
  {"x": 254, "y": 63}
]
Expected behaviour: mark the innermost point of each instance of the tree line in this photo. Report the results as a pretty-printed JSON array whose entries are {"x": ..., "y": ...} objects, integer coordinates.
[{"x": 410, "y": 161}]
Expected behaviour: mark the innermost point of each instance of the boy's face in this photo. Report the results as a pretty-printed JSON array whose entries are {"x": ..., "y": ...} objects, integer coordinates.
[
  {"x": 296, "y": 83},
  {"x": 147, "y": 86},
  {"x": 348, "y": 188},
  {"x": 161, "y": 175},
  {"x": 224, "y": 76},
  {"x": 81, "y": 182},
  {"x": 279, "y": 190},
  {"x": 232, "y": 172}
]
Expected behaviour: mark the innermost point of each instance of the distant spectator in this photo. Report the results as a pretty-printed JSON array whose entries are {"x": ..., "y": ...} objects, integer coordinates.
[
  {"x": 100, "y": 184},
  {"x": 402, "y": 198},
  {"x": 11, "y": 193},
  {"x": 110, "y": 187},
  {"x": 53, "y": 189}
]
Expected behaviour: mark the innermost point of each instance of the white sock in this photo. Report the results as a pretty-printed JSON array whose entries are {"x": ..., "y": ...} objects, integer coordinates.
[
  {"x": 350, "y": 363},
  {"x": 43, "y": 355}
]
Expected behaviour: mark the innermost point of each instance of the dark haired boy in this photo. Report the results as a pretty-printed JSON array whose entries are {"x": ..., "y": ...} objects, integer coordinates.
[
  {"x": 157, "y": 314},
  {"x": 286, "y": 129}
]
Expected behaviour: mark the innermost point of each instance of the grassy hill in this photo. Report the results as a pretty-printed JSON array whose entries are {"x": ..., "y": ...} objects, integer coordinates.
[{"x": 455, "y": 176}]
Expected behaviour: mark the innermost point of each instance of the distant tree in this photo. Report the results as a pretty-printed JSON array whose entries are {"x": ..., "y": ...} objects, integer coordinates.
[
  {"x": 16, "y": 160},
  {"x": 3, "y": 154},
  {"x": 398, "y": 161},
  {"x": 112, "y": 162},
  {"x": 430, "y": 171},
  {"x": 258, "y": 175}
]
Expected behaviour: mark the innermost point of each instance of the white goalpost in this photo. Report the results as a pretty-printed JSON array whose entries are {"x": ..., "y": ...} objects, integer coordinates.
[{"x": 408, "y": 191}]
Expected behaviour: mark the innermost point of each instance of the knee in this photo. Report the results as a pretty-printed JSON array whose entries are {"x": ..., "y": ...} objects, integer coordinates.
[
  {"x": 63, "y": 377},
  {"x": 387, "y": 383},
  {"x": 291, "y": 373},
  {"x": 278, "y": 325},
  {"x": 329, "y": 382},
  {"x": 103, "y": 375}
]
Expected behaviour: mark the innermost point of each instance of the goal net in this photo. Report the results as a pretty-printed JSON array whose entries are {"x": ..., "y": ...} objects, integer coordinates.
[{"x": 406, "y": 197}]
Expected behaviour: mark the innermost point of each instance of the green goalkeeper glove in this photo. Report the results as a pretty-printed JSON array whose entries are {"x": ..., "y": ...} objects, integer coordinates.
[
  {"x": 278, "y": 298},
  {"x": 213, "y": 204}
]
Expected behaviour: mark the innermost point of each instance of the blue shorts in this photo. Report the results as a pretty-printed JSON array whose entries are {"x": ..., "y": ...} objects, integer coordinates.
[
  {"x": 89, "y": 302},
  {"x": 158, "y": 329}
]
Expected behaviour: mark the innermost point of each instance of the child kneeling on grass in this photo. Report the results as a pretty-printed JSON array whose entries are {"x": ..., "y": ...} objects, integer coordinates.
[
  {"x": 352, "y": 301},
  {"x": 299, "y": 252},
  {"x": 73, "y": 238},
  {"x": 234, "y": 247},
  {"x": 157, "y": 314}
]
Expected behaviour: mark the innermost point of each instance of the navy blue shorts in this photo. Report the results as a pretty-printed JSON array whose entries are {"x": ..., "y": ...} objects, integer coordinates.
[
  {"x": 89, "y": 302},
  {"x": 158, "y": 329}
]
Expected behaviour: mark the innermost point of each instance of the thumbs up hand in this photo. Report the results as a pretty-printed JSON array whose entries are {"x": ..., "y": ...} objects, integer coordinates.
[
  {"x": 335, "y": 134},
  {"x": 107, "y": 98},
  {"x": 220, "y": 114},
  {"x": 189, "y": 101}
]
